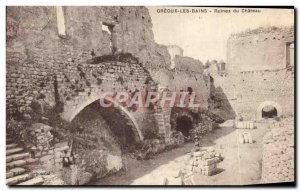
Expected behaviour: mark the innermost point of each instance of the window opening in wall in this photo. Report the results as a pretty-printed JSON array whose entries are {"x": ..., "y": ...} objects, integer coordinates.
[
  {"x": 61, "y": 27},
  {"x": 108, "y": 28},
  {"x": 289, "y": 54}
]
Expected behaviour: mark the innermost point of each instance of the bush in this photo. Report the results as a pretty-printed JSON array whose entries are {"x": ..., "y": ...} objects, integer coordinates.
[
  {"x": 16, "y": 129},
  {"x": 150, "y": 133}
]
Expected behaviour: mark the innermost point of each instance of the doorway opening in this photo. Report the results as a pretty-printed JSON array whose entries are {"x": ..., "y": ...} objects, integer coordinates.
[
  {"x": 184, "y": 125},
  {"x": 269, "y": 111}
]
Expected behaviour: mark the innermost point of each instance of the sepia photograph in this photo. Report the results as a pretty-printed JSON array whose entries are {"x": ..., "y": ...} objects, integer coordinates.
[{"x": 150, "y": 96}]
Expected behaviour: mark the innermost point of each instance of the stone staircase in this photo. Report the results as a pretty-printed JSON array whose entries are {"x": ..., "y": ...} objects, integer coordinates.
[{"x": 17, "y": 160}]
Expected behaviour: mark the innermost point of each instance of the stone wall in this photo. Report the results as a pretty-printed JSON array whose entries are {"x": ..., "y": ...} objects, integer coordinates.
[
  {"x": 37, "y": 55},
  {"x": 246, "y": 91},
  {"x": 68, "y": 72},
  {"x": 256, "y": 74},
  {"x": 52, "y": 154},
  {"x": 90, "y": 148},
  {"x": 181, "y": 80},
  {"x": 259, "y": 49},
  {"x": 278, "y": 164},
  {"x": 256, "y": 88},
  {"x": 183, "y": 63},
  {"x": 173, "y": 51}
]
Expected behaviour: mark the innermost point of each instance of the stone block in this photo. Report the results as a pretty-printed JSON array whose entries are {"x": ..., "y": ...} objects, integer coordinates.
[
  {"x": 35, "y": 181},
  {"x": 17, "y": 179},
  {"x": 46, "y": 158},
  {"x": 190, "y": 168},
  {"x": 18, "y": 171},
  {"x": 58, "y": 165},
  {"x": 241, "y": 139},
  {"x": 210, "y": 167},
  {"x": 198, "y": 154},
  {"x": 9, "y": 174},
  {"x": 250, "y": 139},
  {"x": 198, "y": 169},
  {"x": 61, "y": 144},
  {"x": 58, "y": 160},
  {"x": 246, "y": 138},
  {"x": 209, "y": 161},
  {"x": 58, "y": 154},
  {"x": 61, "y": 148}
]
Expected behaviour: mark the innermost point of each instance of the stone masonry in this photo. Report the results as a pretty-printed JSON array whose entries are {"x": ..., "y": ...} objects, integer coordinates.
[
  {"x": 255, "y": 77},
  {"x": 71, "y": 70},
  {"x": 65, "y": 59},
  {"x": 278, "y": 153}
]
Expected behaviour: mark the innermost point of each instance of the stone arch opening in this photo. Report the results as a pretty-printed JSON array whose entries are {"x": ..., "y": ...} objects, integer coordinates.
[
  {"x": 182, "y": 120},
  {"x": 93, "y": 101},
  {"x": 184, "y": 124},
  {"x": 116, "y": 126},
  {"x": 267, "y": 109}
]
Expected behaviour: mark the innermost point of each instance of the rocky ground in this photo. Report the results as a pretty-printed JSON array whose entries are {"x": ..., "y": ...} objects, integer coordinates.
[
  {"x": 241, "y": 164},
  {"x": 279, "y": 148}
]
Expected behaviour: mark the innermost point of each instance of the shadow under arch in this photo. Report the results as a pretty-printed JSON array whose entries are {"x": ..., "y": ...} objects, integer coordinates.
[
  {"x": 267, "y": 103},
  {"x": 70, "y": 113}
]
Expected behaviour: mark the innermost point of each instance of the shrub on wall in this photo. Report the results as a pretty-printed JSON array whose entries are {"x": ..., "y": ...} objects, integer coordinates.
[{"x": 150, "y": 133}]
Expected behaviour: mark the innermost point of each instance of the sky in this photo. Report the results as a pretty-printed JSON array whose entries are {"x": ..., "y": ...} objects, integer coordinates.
[{"x": 204, "y": 35}]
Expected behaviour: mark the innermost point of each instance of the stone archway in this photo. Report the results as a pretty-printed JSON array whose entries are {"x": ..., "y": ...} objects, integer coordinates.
[
  {"x": 182, "y": 120},
  {"x": 184, "y": 124},
  {"x": 110, "y": 74},
  {"x": 268, "y": 103},
  {"x": 73, "y": 108}
]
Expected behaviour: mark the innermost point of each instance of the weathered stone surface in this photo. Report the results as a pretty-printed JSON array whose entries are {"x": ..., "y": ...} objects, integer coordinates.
[
  {"x": 278, "y": 149},
  {"x": 17, "y": 157},
  {"x": 17, "y": 171},
  {"x": 13, "y": 150},
  {"x": 9, "y": 146},
  {"x": 17, "y": 179},
  {"x": 114, "y": 163},
  {"x": 17, "y": 163},
  {"x": 9, "y": 174},
  {"x": 203, "y": 162},
  {"x": 34, "y": 181}
]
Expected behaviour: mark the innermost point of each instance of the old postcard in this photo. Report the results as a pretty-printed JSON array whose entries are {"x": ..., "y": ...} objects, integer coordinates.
[{"x": 137, "y": 95}]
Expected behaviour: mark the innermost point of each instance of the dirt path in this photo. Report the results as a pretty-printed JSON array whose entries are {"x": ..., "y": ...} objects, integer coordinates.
[{"x": 242, "y": 163}]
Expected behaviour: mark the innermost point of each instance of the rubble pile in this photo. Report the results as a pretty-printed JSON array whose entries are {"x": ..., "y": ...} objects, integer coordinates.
[
  {"x": 278, "y": 155},
  {"x": 203, "y": 162},
  {"x": 152, "y": 147},
  {"x": 283, "y": 122},
  {"x": 228, "y": 123},
  {"x": 40, "y": 137},
  {"x": 245, "y": 138},
  {"x": 176, "y": 139},
  {"x": 205, "y": 126},
  {"x": 39, "y": 141}
]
